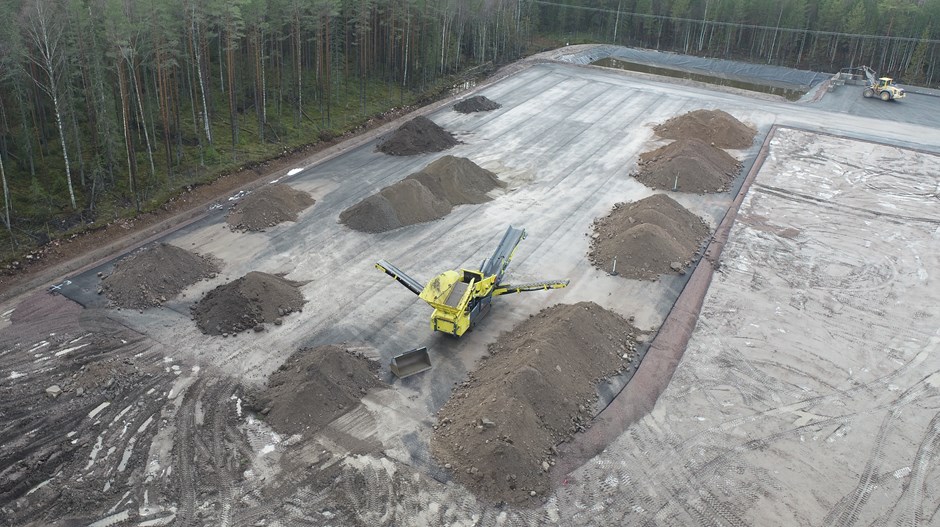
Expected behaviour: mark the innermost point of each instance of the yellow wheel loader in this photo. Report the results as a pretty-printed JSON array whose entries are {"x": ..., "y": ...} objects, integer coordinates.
[
  {"x": 461, "y": 298},
  {"x": 881, "y": 87}
]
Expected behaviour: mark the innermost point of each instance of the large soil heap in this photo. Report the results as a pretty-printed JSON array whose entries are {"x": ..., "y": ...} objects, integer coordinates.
[
  {"x": 268, "y": 206},
  {"x": 688, "y": 165},
  {"x": 149, "y": 276},
  {"x": 715, "y": 126},
  {"x": 477, "y": 103},
  {"x": 536, "y": 388},
  {"x": 423, "y": 196},
  {"x": 418, "y": 136},
  {"x": 650, "y": 237},
  {"x": 247, "y": 302},
  {"x": 314, "y": 387}
]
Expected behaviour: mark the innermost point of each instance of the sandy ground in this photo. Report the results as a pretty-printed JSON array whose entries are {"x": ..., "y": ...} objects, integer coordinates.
[{"x": 804, "y": 357}]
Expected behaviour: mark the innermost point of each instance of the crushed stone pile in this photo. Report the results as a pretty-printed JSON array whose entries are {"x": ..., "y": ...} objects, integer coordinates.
[
  {"x": 649, "y": 237},
  {"x": 314, "y": 387},
  {"x": 715, "y": 126},
  {"x": 247, "y": 303},
  {"x": 423, "y": 196},
  {"x": 153, "y": 274},
  {"x": 268, "y": 206},
  {"x": 477, "y": 103},
  {"x": 418, "y": 136},
  {"x": 688, "y": 165},
  {"x": 536, "y": 388}
]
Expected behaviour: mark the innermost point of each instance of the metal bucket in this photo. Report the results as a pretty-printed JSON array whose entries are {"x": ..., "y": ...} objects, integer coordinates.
[{"x": 411, "y": 362}]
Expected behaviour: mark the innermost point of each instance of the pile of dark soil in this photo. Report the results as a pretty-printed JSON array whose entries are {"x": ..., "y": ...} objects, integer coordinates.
[
  {"x": 715, "y": 126},
  {"x": 688, "y": 165},
  {"x": 477, "y": 103},
  {"x": 423, "y": 196},
  {"x": 314, "y": 387},
  {"x": 247, "y": 303},
  {"x": 151, "y": 275},
  {"x": 418, "y": 136},
  {"x": 648, "y": 238},
  {"x": 536, "y": 388},
  {"x": 268, "y": 206}
]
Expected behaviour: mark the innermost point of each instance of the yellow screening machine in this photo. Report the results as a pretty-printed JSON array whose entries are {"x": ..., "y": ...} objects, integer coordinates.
[{"x": 461, "y": 298}]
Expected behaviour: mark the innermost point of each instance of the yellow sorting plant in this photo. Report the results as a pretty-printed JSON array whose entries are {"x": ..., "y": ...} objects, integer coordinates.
[{"x": 461, "y": 298}]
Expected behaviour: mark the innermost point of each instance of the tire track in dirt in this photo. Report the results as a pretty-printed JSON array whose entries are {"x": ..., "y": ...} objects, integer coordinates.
[
  {"x": 183, "y": 460},
  {"x": 225, "y": 482}
]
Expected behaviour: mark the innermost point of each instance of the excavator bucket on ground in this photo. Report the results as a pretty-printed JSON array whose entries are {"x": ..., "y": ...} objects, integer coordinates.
[{"x": 411, "y": 362}]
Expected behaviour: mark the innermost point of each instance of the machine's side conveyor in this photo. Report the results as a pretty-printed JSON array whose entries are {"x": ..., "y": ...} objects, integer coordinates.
[
  {"x": 497, "y": 263},
  {"x": 508, "y": 289},
  {"x": 413, "y": 285}
]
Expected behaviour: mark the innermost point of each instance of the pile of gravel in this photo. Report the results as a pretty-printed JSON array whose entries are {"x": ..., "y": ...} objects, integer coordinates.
[
  {"x": 268, "y": 206},
  {"x": 477, "y": 103},
  {"x": 314, "y": 387},
  {"x": 151, "y": 275},
  {"x": 247, "y": 303},
  {"x": 715, "y": 126},
  {"x": 648, "y": 238},
  {"x": 688, "y": 165},
  {"x": 536, "y": 388},
  {"x": 423, "y": 196},
  {"x": 418, "y": 136}
]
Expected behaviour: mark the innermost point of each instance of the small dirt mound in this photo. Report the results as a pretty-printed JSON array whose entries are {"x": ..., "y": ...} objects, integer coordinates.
[
  {"x": 268, "y": 206},
  {"x": 688, "y": 165},
  {"x": 715, "y": 126},
  {"x": 418, "y": 136},
  {"x": 535, "y": 389},
  {"x": 477, "y": 103},
  {"x": 151, "y": 275},
  {"x": 648, "y": 238},
  {"x": 252, "y": 300},
  {"x": 423, "y": 196},
  {"x": 314, "y": 387}
]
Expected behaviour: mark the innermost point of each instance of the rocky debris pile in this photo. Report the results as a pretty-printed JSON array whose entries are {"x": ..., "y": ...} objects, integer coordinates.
[
  {"x": 314, "y": 387},
  {"x": 267, "y": 207},
  {"x": 153, "y": 274},
  {"x": 688, "y": 165},
  {"x": 719, "y": 128},
  {"x": 418, "y": 136},
  {"x": 423, "y": 196},
  {"x": 477, "y": 103},
  {"x": 648, "y": 238},
  {"x": 536, "y": 388},
  {"x": 247, "y": 303}
]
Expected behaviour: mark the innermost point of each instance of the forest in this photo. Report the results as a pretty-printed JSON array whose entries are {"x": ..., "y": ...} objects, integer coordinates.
[{"x": 108, "y": 108}]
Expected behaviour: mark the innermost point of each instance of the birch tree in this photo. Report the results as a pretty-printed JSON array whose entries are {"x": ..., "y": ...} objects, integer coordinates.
[{"x": 42, "y": 24}]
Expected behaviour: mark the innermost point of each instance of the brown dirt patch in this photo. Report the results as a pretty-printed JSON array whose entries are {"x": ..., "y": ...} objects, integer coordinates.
[
  {"x": 649, "y": 237},
  {"x": 477, "y": 103},
  {"x": 689, "y": 165},
  {"x": 268, "y": 206},
  {"x": 418, "y": 136},
  {"x": 254, "y": 299},
  {"x": 314, "y": 387},
  {"x": 716, "y": 126},
  {"x": 535, "y": 389},
  {"x": 423, "y": 196},
  {"x": 153, "y": 274}
]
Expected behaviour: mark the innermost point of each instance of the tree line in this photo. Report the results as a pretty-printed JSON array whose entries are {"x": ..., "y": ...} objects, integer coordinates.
[
  {"x": 109, "y": 107},
  {"x": 895, "y": 37}
]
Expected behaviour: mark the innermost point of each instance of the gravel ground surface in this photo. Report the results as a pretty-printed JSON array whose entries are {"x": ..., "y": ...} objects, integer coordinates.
[{"x": 808, "y": 391}]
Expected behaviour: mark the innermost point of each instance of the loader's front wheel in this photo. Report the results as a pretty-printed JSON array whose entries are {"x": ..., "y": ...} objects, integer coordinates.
[
  {"x": 885, "y": 96},
  {"x": 868, "y": 93}
]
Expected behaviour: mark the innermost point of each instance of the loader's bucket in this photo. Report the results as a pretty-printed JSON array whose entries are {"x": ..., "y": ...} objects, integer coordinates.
[{"x": 411, "y": 362}]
